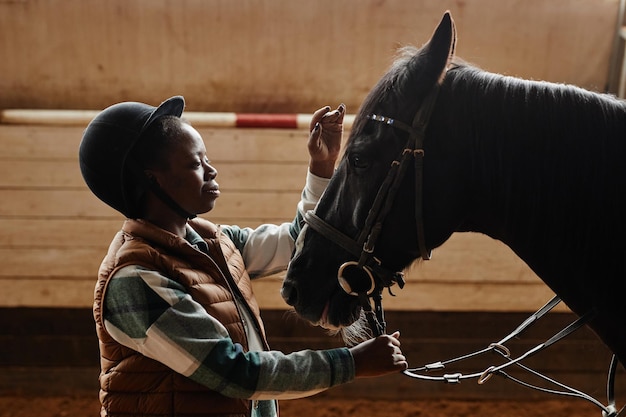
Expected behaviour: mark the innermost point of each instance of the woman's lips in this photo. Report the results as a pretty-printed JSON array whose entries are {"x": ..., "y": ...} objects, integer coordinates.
[{"x": 213, "y": 190}]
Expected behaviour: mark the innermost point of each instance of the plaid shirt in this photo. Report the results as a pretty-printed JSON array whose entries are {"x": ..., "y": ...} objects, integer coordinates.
[{"x": 144, "y": 310}]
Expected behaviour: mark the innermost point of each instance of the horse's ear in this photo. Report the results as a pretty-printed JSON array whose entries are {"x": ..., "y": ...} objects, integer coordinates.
[{"x": 440, "y": 47}]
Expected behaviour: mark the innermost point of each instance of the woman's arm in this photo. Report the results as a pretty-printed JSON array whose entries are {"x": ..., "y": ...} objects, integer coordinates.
[{"x": 154, "y": 316}]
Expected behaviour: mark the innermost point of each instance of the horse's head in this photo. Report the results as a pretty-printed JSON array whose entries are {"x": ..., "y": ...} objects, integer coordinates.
[{"x": 312, "y": 284}]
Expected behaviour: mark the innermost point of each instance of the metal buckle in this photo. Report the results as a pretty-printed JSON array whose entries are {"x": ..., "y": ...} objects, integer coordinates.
[{"x": 345, "y": 284}]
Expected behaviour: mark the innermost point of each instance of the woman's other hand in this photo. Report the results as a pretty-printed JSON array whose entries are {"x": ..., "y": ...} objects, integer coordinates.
[{"x": 379, "y": 356}]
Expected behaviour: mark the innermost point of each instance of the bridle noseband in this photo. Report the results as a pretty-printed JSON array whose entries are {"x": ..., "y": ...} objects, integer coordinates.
[{"x": 367, "y": 277}]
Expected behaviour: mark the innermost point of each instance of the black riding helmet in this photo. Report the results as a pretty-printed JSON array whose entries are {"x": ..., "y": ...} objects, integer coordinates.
[{"x": 105, "y": 148}]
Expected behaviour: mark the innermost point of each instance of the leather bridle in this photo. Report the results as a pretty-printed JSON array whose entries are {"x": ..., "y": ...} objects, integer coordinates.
[{"x": 367, "y": 277}]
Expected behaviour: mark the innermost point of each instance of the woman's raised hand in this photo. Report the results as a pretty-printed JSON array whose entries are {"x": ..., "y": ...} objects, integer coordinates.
[{"x": 324, "y": 145}]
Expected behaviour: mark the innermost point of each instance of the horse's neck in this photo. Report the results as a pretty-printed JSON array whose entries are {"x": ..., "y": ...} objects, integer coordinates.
[
  {"x": 548, "y": 179},
  {"x": 539, "y": 153}
]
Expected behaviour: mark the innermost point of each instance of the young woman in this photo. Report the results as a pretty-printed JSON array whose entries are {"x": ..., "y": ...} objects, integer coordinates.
[{"x": 179, "y": 327}]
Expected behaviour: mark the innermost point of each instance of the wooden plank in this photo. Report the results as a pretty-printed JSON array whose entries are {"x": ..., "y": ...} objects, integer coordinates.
[
  {"x": 223, "y": 144},
  {"x": 36, "y": 142},
  {"x": 58, "y": 233},
  {"x": 462, "y": 296},
  {"x": 83, "y": 204},
  {"x": 40, "y": 174},
  {"x": 238, "y": 176},
  {"x": 42, "y": 292},
  {"x": 81, "y": 233},
  {"x": 464, "y": 282},
  {"x": 257, "y": 204},
  {"x": 73, "y": 290},
  {"x": 269, "y": 145},
  {"x": 472, "y": 257},
  {"x": 456, "y": 270},
  {"x": 50, "y": 263},
  {"x": 53, "y": 203}
]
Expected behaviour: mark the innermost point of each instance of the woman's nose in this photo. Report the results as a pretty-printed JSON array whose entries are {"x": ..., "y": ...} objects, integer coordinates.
[{"x": 210, "y": 172}]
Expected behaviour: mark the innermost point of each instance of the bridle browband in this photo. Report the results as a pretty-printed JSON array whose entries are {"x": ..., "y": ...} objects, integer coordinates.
[
  {"x": 368, "y": 266},
  {"x": 380, "y": 277}
]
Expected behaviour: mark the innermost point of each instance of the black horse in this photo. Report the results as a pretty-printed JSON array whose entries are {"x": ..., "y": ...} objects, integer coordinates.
[{"x": 536, "y": 165}]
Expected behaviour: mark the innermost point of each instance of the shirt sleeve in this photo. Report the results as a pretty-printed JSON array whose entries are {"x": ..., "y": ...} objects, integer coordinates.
[
  {"x": 154, "y": 315},
  {"x": 268, "y": 249}
]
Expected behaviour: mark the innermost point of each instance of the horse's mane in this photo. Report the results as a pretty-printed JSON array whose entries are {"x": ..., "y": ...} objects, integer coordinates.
[
  {"x": 565, "y": 105},
  {"x": 513, "y": 119},
  {"x": 559, "y": 101}
]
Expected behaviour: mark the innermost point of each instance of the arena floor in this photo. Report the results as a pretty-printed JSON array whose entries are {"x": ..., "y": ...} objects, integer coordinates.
[{"x": 321, "y": 407}]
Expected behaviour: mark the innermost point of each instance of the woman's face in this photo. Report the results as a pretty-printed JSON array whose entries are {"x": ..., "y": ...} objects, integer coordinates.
[{"x": 189, "y": 178}]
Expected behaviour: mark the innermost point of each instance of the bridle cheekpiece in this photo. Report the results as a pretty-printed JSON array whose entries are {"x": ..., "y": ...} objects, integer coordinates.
[{"x": 367, "y": 277}]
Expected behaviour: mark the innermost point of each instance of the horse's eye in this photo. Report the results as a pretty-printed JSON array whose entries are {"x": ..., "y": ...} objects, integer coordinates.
[{"x": 359, "y": 162}]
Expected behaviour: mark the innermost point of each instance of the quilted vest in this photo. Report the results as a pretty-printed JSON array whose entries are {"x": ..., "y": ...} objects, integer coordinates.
[{"x": 134, "y": 385}]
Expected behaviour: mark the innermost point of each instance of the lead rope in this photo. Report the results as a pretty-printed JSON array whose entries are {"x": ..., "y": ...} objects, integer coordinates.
[
  {"x": 611, "y": 410},
  {"x": 499, "y": 347},
  {"x": 375, "y": 318}
]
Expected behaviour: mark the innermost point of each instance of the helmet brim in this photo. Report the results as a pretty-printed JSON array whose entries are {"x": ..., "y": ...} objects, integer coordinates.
[{"x": 173, "y": 106}]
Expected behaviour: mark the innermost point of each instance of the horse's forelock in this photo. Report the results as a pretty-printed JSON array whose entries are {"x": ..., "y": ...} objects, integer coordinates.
[{"x": 389, "y": 88}]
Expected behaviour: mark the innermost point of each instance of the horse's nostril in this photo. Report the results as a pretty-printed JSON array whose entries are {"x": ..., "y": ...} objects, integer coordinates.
[{"x": 289, "y": 293}]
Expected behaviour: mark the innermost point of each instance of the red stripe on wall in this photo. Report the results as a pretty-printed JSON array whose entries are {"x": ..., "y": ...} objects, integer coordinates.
[{"x": 282, "y": 121}]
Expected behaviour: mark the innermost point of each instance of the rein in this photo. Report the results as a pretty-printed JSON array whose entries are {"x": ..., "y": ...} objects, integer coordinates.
[{"x": 499, "y": 347}]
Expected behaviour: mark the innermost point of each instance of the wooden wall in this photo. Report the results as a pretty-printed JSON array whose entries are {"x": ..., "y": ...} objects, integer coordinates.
[
  {"x": 279, "y": 55},
  {"x": 55, "y": 232},
  {"x": 249, "y": 56}
]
